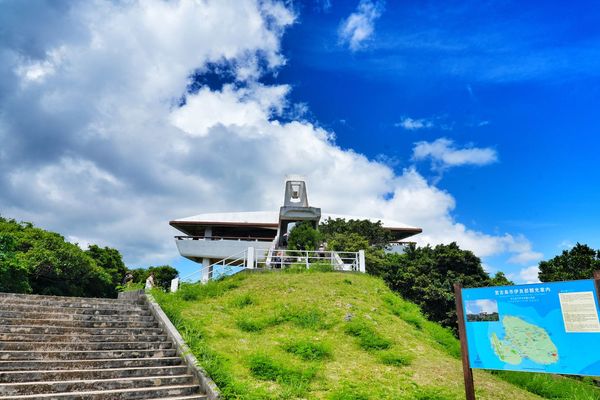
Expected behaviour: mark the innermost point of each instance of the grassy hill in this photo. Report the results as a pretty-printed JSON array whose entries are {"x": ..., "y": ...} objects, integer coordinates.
[{"x": 333, "y": 336}]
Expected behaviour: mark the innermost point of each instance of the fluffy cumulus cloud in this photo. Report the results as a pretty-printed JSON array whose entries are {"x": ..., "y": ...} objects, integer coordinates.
[
  {"x": 104, "y": 141},
  {"x": 443, "y": 154},
  {"x": 355, "y": 30},
  {"x": 528, "y": 275}
]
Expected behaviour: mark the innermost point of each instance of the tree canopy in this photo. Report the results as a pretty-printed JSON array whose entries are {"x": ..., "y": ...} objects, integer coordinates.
[
  {"x": 33, "y": 260},
  {"x": 373, "y": 232},
  {"x": 304, "y": 237},
  {"x": 579, "y": 262},
  {"x": 426, "y": 276},
  {"x": 163, "y": 275},
  {"x": 42, "y": 262}
]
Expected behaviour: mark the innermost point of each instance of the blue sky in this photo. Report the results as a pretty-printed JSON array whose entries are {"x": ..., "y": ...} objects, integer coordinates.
[
  {"x": 521, "y": 78},
  {"x": 477, "y": 121}
]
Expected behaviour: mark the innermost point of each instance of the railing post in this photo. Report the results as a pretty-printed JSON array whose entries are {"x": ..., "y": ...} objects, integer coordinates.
[
  {"x": 307, "y": 263},
  {"x": 205, "y": 270},
  {"x": 362, "y": 267},
  {"x": 174, "y": 285},
  {"x": 250, "y": 256}
]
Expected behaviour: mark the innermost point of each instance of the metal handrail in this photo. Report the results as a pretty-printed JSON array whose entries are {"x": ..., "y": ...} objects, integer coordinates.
[
  {"x": 276, "y": 259},
  {"x": 238, "y": 238},
  {"x": 221, "y": 262},
  {"x": 347, "y": 261}
]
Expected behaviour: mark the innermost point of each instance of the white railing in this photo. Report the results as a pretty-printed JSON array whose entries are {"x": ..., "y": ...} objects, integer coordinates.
[
  {"x": 275, "y": 259},
  {"x": 339, "y": 261},
  {"x": 218, "y": 269}
]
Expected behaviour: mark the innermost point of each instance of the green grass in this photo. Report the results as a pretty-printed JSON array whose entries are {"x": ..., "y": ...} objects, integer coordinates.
[
  {"x": 308, "y": 350},
  {"x": 333, "y": 336},
  {"x": 396, "y": 359},
  {"x": 552, "y": 387},
  {"x": 242, "y": 301},
  {"x": 368, "y": 338},
  {"x": 300, "y": 317},
  {"x": 264, "y": 367}
]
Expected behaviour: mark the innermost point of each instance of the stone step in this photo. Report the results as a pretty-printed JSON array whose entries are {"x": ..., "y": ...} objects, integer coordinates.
[
  {"x": 74, "y": 317},
  {"x": 78, "y": 338},
  {"x": 97, "y": 346},
  {"x": 12, "y": 389},
  {"x": 108, "y": 310},
  {"x": 133, "y": 310},
  {"x": 39, "y": 297},
  {"x": 46, "y": 329},
  {"x": 8, "y": 303},
  {"x": 29, "y": 365},
  {"x": 82, "y": 355},
  {"x": 79, "y": 324},
  {"x": 87, "y": 374},
  {"x": 165, "y": 392}
]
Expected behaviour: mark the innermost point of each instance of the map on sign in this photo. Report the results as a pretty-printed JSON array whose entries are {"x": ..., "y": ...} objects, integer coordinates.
[{"x": 547, "y": 327}]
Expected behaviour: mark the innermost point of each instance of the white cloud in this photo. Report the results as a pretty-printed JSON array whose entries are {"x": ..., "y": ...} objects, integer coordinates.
[
  {"x": 360, "y": 25},
  {"x": 484, "y": 305},
  {"x": 229, "y": 107},
  {"x": 529, "y": 274},
  {"x": 414, "y": 124},
  {"x": 566, "y": 245},
  {"x": 100, "y": 150},
  {"x": 526, "y": 257},
  {"x": 444, "y": 154}
]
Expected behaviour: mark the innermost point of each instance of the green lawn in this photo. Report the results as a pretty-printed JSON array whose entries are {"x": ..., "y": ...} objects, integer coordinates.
[{"x": 334, "y": 336}]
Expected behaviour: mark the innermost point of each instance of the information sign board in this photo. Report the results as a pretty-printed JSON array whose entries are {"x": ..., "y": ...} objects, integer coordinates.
[{"x": 546, "y": 327}]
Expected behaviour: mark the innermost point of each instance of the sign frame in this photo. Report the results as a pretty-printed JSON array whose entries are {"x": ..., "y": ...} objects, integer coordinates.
[{"x": 462, "y": 333}]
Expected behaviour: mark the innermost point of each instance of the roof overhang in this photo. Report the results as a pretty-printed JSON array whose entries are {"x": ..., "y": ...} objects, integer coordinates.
[{"x": 270, "y": 220}]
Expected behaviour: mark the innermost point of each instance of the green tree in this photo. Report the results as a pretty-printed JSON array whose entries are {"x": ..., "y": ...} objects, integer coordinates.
[
  {"x": 57, "y": 267},
  {"x": 580, "y": 262},
  {"x": 500, "y": 280},
  {"x": 51, "y": 264},
  {"x": 13, "y": 274},
  {"x": 163, "y": 275},
  {"x": 426, "y": 276},
  {"x": 347, "y": 242},
  {"x": 304, "y": 237},
  {"x": 373, "y": 232},
  {"x": 110, "y": 261}
]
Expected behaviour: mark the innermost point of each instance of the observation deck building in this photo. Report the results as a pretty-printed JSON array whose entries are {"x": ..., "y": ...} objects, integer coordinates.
[{"x": 209, "y": 238}]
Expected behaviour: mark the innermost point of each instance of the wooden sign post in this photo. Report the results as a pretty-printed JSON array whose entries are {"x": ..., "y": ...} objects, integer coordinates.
[{"x": 462, "y": 334}]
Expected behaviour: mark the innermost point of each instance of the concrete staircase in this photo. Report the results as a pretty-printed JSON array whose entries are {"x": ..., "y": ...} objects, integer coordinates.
[{"x": 69, "y": 348}]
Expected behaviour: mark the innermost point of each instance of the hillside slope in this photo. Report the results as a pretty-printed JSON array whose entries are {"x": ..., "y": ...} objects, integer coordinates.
[{"x": 321, "y": 336}]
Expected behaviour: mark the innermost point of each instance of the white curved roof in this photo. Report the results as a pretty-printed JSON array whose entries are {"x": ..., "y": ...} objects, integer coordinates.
[{"x": 272, "y": 218}]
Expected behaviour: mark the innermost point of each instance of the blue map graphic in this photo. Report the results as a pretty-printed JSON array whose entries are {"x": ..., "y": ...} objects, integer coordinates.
[{"x": 521, "y": 328}]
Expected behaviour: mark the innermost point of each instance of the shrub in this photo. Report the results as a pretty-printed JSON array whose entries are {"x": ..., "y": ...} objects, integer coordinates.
[{"x": 304, "y": 237}]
